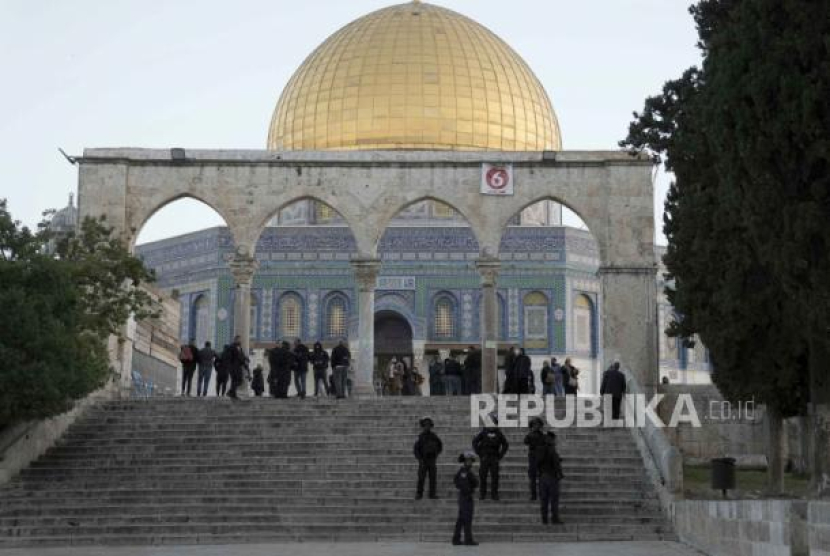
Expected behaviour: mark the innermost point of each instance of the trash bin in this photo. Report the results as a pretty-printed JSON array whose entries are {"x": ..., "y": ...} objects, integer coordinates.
[{"x": 723, "y": 474}]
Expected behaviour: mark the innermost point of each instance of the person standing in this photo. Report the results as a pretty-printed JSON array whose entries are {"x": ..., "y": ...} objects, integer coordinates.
[
  {"x": 436, "y": 377},
  {"x": 237, "y": 362},
  {"x": 535, "y": 441},
  {"x": 452, "y": 376},
  {"x": 258, "y": 383},
  {"x": 188, "y": 356},
  {"x": 206, "y": 358},
  {"x": 281, "y": 360},
  {"x": 466, "y": 483},
  {"x": 510, "y": 385},
  {"x": 340, "y": 361},
  {"x": 613, "y": 384},
  {"x": 472, "y": 371},
  {"x": 570, "y": 376},
  {"x": 301, "y": 357},
  {"x": 523, "y": 373},
  {"x": 427, "y": 449},
  {"x": 222, "y": 365},
  {"x": 490, "y": 445},
  {"x": 395, "y": 377},
  {"x": 320, "y": 365},
  {"x": 548, "y": 377},
  {"x": 550, "y": 473}
]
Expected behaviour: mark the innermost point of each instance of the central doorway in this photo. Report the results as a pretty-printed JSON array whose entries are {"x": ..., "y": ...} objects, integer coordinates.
[{"x": 393, "y": 338}]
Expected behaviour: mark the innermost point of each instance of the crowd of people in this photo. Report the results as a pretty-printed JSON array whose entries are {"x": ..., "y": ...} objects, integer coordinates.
[
  {"x": 284, "y": 361},
  {"x": 490, "y": 446},
  {"x": 331, "y": 373}
]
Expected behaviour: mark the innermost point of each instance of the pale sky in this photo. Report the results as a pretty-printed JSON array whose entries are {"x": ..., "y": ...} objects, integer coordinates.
[{"x": 207, "y": 74}]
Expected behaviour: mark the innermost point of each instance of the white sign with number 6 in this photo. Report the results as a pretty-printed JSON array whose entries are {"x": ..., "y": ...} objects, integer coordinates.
[{"x": 496, "y": 179}]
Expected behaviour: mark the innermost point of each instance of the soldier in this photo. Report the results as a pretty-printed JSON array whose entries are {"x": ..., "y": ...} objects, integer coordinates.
[
  {"x": 534, "y": 440},
  {"x": 491, "y": 446},
  {"x": 466, "y": 483},
  {"x": 427, "y": 449},
  {"x": 550, "y": 473}
]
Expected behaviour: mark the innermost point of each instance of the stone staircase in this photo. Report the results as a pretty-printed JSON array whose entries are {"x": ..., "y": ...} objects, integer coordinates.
[{"x": 186, "y": 471}]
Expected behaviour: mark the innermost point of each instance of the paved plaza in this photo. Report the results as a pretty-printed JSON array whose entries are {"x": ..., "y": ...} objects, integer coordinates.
[{"x": 375, "y": 549}]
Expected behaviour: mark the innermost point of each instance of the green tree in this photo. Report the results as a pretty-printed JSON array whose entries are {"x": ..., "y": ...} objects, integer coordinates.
[
  {"x": 57, "y": 312},
  {"x": 725, "y": 285}
]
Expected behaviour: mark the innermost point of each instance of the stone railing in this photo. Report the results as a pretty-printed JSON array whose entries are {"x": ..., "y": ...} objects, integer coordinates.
[
  {"x": 661, "y": 457},
  {"x": 775, "y": 527}
]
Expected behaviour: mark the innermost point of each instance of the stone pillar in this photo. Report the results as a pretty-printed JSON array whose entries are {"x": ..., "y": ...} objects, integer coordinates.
[
  {"x": 489, "y": 270},
  {"x": 366, "y": 273},
  {"x": 418, "y": 352},
  {"x": 629, "y": 322},
  {"x": 242, "y": 269}
]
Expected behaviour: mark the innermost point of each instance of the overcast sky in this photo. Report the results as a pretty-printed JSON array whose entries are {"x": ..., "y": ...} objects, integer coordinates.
[{"x": 207, "y": 74}]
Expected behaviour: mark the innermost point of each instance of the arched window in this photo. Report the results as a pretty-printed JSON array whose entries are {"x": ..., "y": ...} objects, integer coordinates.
[
  {"x": 291, "y": 324},
  {"x": 335, "y": 326},
  {"x": 444, "y": 325},
  {"x": 199, "y": 319},
  {"x": 583, "y": 324},
  {"x": 536, "y": 320}
]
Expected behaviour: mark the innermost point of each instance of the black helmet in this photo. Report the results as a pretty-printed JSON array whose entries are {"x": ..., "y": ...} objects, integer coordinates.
[
  {"x": 426, "y": 421},
  {"x": 536, "y": 421}
]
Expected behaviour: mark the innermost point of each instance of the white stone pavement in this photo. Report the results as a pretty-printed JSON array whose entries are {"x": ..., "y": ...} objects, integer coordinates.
[{"x": 375, "y": 549}]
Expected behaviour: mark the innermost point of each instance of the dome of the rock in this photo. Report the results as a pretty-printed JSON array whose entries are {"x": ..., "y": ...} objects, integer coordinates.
[{"x": 414, "y": 76}]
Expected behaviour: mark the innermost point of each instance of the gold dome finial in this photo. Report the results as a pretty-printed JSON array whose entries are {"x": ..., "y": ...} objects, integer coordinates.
[{"x": 392, "y": 81}]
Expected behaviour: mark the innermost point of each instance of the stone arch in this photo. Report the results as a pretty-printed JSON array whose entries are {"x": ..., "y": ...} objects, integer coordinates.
[
  {"x": 384, "y": 220},
  {"x": 141, "y": 212},
  {"x": 504, "y": 223},
  {"x": 266, "y": 213}
]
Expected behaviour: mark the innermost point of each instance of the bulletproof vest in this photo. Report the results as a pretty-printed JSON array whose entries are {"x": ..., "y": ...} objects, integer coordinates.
[{"x": 490, "y": 443}]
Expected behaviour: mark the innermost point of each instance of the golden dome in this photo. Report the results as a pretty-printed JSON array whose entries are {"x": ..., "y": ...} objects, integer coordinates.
[{"x": 414, "y": 76}]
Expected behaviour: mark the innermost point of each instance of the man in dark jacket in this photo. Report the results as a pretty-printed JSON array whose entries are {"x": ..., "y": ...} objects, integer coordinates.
[
  {"x": 550, "y": 473},
  {"x": 427, "y": 449},
  {"x": 613, "y": 384},
  {"x": 237, "y": 362},
  {"x": 490, "y": 445},
  {"x": 320, "y": 364},
  {"x": 222, "y": 365},
  {"x": 206, "y": 359},
  {"x": 340, "y": 361},
  {"x": 301, "y": 357},
  {"x": 436, "y": 377},
  {"x": 535, "y": 441},
  {"x": 452, "y": 376},
  {"x": 472, "y": 371},
  {"x": 466, "y": 483},
  {"x": 189, "y": 358},
  {"x": 281, "y": 361}
]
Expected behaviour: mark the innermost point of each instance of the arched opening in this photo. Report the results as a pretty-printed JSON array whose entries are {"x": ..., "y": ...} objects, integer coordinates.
[
  {"x": 187, "y": 244},
  {"x": 393, "y": 339},
  {"x": 549, "y": 275},
  {"x": 429, "y": 253},
  {"x": 304, "y": 254}
]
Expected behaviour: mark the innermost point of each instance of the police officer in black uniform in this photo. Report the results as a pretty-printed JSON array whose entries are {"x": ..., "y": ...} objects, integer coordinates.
[
  {"x": 490, "y": 445},
  {"x": 534, "y": 440},
  {"x": 427, "y": 449},
  {"x": 466, "y": 483},
  {"x": 550, "y": 473}
]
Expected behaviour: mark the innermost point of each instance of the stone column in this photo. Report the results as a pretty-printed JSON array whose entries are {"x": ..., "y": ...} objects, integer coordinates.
[
  {"x": 629, "y": 321},
  {"x": 418, "y": 352},
  {"x": 242, "y": 269},
  {"x": 366, "y": 273},
  {"x": 489, "y": 270}
]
